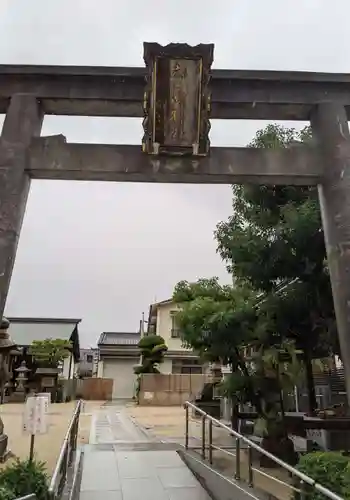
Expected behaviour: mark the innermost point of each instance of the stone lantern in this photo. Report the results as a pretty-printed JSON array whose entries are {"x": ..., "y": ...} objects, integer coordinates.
[
  {"x": 21, "y": 379},
  {"x": 6, "y": 344}
]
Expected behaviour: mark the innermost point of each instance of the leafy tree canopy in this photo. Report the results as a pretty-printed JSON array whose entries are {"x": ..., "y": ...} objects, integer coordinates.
[
  {"x": 275, "y": 238},
  {"x": 273, "y": 246},
  {"x": 215, "y": 320},
  {"x": 50, "y": 351}
]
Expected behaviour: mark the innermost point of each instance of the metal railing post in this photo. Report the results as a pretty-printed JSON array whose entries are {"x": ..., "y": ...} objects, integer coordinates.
[
  {"x": 203, "y": 436},
  {"x": 71, "y": 445},
  {"x": 306, "y": 482},
  {"x": 302, "y": 490},
  {"x": 250, "y": 466},
  {"x": 210, "y": 439},
  {"x": 238, "y": 459},
  {"x": 66, "y": 456},
  {"x": 186, "y": 427}
]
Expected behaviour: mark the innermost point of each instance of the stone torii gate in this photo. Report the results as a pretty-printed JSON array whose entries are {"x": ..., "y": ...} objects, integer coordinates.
[{"x": 177, "y": 94}]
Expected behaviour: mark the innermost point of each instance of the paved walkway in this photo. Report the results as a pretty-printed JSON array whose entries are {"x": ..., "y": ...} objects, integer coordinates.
[{"x": 122, "y": 463}]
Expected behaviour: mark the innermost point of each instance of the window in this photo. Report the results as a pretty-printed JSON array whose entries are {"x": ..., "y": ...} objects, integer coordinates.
[
  {"x": 175, "y": 330},
  {"x": 89, "y": 358},
  {"x": 188, "y": 366}
]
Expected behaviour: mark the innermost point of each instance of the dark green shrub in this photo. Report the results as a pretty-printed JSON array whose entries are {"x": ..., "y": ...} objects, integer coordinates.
[
  {"x": 6, "y": 493},
  {"x": 152, "y": 349},
  {"x": 326, "y": 468},
  {"x": 24, "y": 477},
  {"x": 346, "y": 485}
]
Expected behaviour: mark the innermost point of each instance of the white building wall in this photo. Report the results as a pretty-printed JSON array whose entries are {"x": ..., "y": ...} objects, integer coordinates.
[
  {"x": 164, "y": 325},
  {"x": 100, "y": 369},
  {"x": 67, "y": 363},
  {"x": 166, "y": 366}
]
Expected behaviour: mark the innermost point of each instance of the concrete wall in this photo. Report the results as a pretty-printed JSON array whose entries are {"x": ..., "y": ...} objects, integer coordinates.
[{"x": 169, "y": 390}]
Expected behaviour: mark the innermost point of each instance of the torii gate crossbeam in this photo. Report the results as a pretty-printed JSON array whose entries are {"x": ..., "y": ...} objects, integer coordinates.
[{"x": 29, "y": 92}]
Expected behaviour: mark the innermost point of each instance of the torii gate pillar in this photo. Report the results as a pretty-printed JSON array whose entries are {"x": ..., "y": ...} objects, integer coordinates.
[
  {"x": 23, "y": 121},
  {"x": 331, "y": 132}
]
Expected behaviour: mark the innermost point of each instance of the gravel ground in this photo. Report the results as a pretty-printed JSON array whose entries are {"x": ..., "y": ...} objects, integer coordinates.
[{"x": 47, "y": 446}]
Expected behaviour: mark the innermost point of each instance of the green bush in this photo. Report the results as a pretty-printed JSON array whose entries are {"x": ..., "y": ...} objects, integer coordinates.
[
  {"x": 326, "y": 468},
  {"x": 25, "y": 477},
  {"x": 6, "y": 493},
  {"x": 346, "y": 485}
]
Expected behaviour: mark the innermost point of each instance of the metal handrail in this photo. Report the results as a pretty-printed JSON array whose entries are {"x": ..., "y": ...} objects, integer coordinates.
[
  {"x": 304, "y": 479},
  {"x": 65, "y": 459},
  {"x": 31, "y": 496}
]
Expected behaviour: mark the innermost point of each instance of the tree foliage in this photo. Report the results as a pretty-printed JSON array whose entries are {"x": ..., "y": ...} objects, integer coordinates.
[
  {"x": 281, "y": 303},
  {"x": 50, "y": 351},
  {"x": 152, "y": 349},
  {"x": 222, "y": 323},
  {"x": 274, "y": 241},
  {"x": 209, "y": 312}
]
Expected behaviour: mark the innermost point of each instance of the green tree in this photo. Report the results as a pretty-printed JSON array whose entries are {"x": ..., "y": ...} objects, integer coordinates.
[
  {"x": 222, "y": 323},
  {"x": 152, "y": 349},
  {"x": 50, "y": 352},
  {"x": 274, "y": 242}
]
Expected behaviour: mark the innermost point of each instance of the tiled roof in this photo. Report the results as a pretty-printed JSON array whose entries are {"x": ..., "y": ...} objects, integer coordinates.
[{"x": 119, "y": 338}]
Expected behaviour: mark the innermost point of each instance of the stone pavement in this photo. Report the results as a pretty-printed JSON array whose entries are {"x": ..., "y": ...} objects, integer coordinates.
[
  {"x": 123, "y": 463},
  {"x": 168, "y": 424}
]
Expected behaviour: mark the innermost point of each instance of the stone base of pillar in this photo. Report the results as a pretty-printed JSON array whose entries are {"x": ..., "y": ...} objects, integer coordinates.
[{"x": 5, "y": 454}]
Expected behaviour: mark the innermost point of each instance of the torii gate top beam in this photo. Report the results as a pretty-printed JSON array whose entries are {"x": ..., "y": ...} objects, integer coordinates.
[{"x": 236, "y": 94}]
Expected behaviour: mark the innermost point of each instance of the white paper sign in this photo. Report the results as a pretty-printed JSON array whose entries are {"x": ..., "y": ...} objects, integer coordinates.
[
  {"x": 45, "y": 395},
  {"x": 35, "y": 418}
]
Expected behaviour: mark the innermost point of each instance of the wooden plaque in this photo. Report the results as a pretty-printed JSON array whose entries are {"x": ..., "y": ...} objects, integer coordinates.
[{"x": 177, "y": 99}]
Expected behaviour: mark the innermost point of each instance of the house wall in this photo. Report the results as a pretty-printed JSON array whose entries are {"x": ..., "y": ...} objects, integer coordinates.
[
  {"x": 67, "y": 364},
  {"x": 100, "y": 369},
  {"x": 175, "y": 346},
  {"x": 164, "y": 325},
  {"x": 88, "y": 368},
  {"x": 166, "y": 366}
]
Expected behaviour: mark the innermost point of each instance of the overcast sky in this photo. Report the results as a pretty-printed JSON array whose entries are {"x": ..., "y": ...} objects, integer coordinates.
[{"x": 104, "y": 252}]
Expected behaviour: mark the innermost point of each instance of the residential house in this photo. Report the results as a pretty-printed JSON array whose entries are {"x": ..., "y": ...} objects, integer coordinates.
[
  {"x": 23, "y": 331},
  {"x": 88, "y": 363},
  {"x": 178, "y": 359},
  {"x": 118, "y": 354}
]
